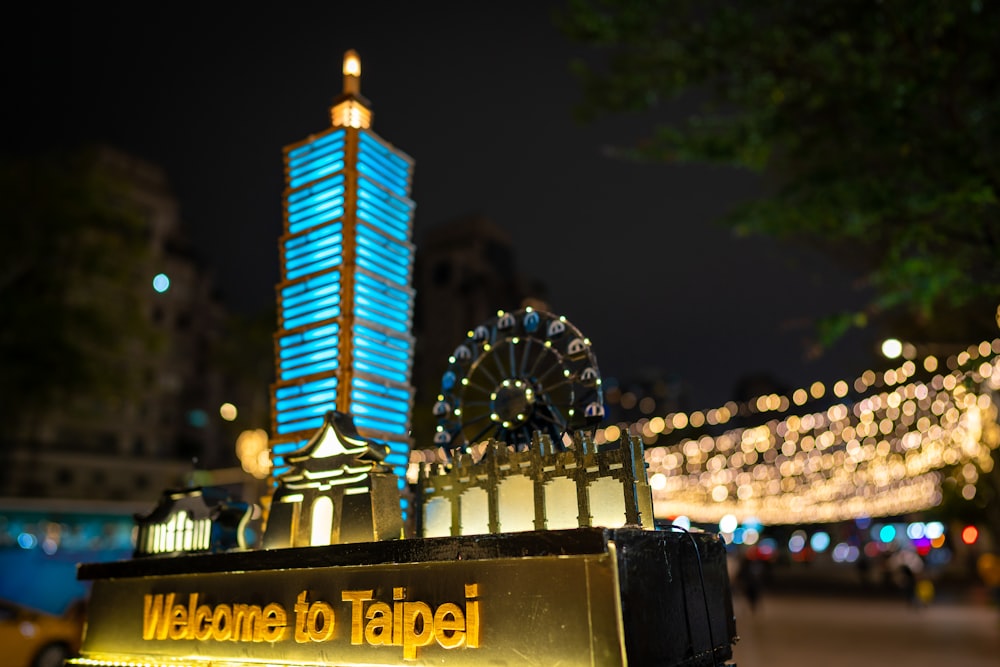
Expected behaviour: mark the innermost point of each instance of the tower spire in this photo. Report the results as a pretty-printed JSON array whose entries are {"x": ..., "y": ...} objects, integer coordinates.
[
  {"x": 351, "y": 109},
  {"x": 352, "y": 73}
]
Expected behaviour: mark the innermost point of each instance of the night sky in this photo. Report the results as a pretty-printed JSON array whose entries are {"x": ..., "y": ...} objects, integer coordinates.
[{"x": 631, "y": 253}]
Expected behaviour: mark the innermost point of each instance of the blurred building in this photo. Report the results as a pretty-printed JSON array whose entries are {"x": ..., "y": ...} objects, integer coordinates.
[
  {"x": 635, "y": 400},
  {"x": 465, "y": 272},
  {"x": 161, "y": 411}
]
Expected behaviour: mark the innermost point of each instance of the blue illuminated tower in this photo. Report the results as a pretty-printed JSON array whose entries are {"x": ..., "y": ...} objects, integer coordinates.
[{"x": 345, "y": 304}]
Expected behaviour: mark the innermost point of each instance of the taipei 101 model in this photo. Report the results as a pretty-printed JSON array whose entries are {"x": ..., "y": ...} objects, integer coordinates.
[{"x": 345, "y": 305}]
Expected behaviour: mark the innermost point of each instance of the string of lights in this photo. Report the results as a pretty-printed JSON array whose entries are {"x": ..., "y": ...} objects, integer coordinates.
[{"x": 877, "y": 452}]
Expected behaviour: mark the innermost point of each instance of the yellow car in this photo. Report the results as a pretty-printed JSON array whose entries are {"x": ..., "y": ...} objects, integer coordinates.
[{"x": 33, "y": 638}]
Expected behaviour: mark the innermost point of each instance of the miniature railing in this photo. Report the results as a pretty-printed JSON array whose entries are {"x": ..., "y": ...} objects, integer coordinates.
[{"x": 538, "y": 488}]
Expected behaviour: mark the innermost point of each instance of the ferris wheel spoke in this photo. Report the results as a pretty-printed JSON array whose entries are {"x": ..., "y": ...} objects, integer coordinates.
[
  {"x": 476, "y": 419},
  {"x": 552, "y": 413},
  {"x": 477, "y": 403},
  {"x": 525, "y": 354},
  {"x": 553, "y": 420},
  {"x": 489, "y": 376},
  {"x": 538, "y": 360},
  {"x": 513, "y": 365},
  {"x": 497, "y": 362},
  {"x": 547, "y": 373},
  {"x": 479, "y": 387},
  {"x": 557, "y": 385}
]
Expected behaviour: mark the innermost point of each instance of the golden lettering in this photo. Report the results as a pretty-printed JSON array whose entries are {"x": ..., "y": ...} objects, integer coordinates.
[
  {"x": 301, "y": 608},
  {"x": 222, "y": 623},
  {"x": 178, "y": 622},
  {"x": 378, "y": 631},
  {"x": 274, "y": 624},
  {"x": 471, "y": 616},
  {"x": 411, "y": 624},
  {"x": 357, "y": 600},
  {"x": 418, "y": 628},
  {"x": 247, "y": 619},
  {"x": 321, "y": 622},
  {"x": 192, "y": 608},
  {"x": 202, "y": 623},
  {"x": 154, "y": 616},
  {"x": 397, "y": 616},
  {"x": 449, "y": 626}
]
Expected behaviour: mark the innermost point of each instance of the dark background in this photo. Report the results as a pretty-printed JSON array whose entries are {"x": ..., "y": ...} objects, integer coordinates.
[{"x": 482, "y": 97}]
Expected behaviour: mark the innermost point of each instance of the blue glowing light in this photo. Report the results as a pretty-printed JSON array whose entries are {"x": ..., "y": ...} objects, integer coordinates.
[
  {"x": 288, "y": 447},
  {"x": 361, "y": 341},
  {"x": 297, "y": 255},
  {"x": 326, "y": 398},
  {"x": 376, "y": 318},
  {"x": 197, "y": 418},
  {"x": 322, "y": 264},
  {"x": 819, "y": 541},
  {"x": 161, "y": 283},
  {"x": 394, "y": 392},
  {"x": 317, "y": 174},
  {"x": 303, "y": 151},
  {"x": 308, "y": 198},
  {"x": 296, "y": 350},
  {"x": 310, "y": 306},
  {"x": 319, "y": 355},
  {"x": 378, "y": 413},
  {"x": 388, "y": 403},
  {"x": 302, "y": 371},
  {"x": 316, "y": 162},
  {"x": 372, "y": 369},
  {"x": 303, "y": 413},
  {"x": 316, "y": 316},
  {"x": 379, "y": 222},
  {"x": 380, "y": 308},
  {"x": 375, "y": 358},
  {"x": 305, "y": 425},
  {"x": 377, "y": 425}
]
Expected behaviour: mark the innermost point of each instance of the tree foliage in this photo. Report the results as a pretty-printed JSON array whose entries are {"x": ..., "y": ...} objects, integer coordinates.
[
  {"x": 73, "y": 248},
  {"x": 877, "y": 120}
]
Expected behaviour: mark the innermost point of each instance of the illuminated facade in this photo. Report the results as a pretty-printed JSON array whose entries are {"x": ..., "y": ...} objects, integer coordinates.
[{"x": 345, "y": 304}]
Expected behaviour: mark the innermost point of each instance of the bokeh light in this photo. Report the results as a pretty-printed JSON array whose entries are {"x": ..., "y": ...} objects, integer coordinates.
[
  {"x": 934, "y": 529},
  {"x": 819, "y": 541},
  {"x": 161, "y": 283},
  {"x": 228, "y": 411},
  {"x": 892, "y": 348},
  {"x": 728, "y": 523}
]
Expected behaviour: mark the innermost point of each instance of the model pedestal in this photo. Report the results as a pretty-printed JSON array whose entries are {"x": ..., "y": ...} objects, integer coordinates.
[{"x": 586, "y": 596}]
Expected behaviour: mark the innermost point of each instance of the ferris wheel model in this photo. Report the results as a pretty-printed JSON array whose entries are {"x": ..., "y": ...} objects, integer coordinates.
[{"x": 517, "y": 374}]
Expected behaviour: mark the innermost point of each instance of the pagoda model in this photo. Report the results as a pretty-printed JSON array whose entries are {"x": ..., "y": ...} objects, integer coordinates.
[
  {"x": 335, "y": 491},
  {"x": 345, "y": 304}
]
